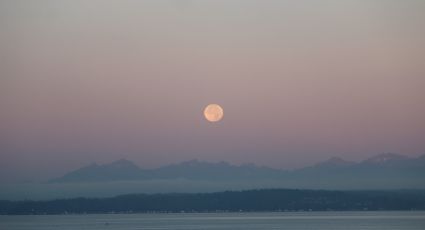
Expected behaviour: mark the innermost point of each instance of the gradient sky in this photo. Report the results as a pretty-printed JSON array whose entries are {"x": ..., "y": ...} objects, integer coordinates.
[{"x": 299, "y": 81}]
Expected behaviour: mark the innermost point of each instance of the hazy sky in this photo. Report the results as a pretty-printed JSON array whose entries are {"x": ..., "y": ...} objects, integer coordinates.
[{"x": 299, "y": 81}]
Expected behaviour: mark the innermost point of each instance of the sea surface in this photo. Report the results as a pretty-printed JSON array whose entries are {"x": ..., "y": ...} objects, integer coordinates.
[{"x": 413, "y": 220}]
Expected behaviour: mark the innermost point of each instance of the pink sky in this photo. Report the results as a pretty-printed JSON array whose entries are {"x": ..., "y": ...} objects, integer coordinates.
[{"x": 299, "y": 81}]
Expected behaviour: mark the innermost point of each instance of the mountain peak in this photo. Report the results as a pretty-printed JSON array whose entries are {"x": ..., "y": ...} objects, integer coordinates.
[
  {"x": 335, "y": 162},
  {"x": 191, "y": 162},
  {"x": 196, "y": 162},
  {"x": 122, "y": 163},
  {"x": 385, "y": 158}
]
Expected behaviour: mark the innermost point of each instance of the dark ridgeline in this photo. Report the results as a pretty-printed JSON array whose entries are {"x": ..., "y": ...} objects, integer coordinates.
[
  {"x": 384, "y": 171},
  {"x": 233, "y": 201}
]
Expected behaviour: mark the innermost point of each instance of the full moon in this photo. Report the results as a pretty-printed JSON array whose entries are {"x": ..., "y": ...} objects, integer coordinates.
[{"x": 213, "y": 113}]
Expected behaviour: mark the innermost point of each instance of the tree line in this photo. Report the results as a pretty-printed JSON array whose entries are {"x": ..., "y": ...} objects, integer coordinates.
[{"x": 229, "y": 201}]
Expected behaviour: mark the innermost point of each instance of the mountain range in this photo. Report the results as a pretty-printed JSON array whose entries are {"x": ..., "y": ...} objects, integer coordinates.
[{"x": 387, "y": 170}]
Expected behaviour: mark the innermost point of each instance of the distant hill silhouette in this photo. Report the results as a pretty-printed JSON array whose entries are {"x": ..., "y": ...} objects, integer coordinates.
[
  {"x": 387, "y": 170},
  {"x": 117, "y": 170},
  {"x": 193, "y": 169},
  {"x": 233, "y": 201}
]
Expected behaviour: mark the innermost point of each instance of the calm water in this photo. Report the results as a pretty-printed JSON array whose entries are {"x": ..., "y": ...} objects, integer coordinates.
[{"x": 246, "y": 221}]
